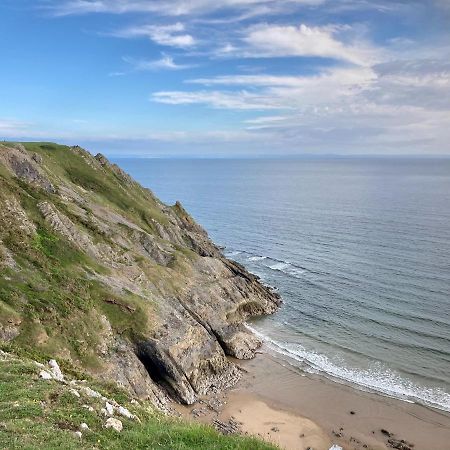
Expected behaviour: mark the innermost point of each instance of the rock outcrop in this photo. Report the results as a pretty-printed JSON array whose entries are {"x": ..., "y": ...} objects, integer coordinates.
[{"x": 159, "y": 303}]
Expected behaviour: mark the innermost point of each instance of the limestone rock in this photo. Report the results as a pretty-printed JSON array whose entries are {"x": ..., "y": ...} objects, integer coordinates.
[
  {"x": 124, "y": 412},
  {"x": 183, "y": 304},
  {"x": 56, "y": 371},
  {"x": 109, "y": 409},
  {"x": 45, "y": 375},
  {"x": 115, "y": 424},
  {"x": 24, "y": 166}
]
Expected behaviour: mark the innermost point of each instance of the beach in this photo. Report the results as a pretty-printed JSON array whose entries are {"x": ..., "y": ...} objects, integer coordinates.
[{"x": 297, "y": 411}]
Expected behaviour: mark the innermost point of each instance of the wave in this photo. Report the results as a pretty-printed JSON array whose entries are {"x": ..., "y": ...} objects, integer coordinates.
[
  {"x": 288, "y": 269},
  {"x": 377, "y": 378},
  {"x": 279, "y": 265},
  {"x": 257, "y": 258},
  {"x": 231, "y": 253}
]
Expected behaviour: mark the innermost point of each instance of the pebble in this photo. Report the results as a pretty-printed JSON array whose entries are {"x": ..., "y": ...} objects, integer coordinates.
[
  {"x": 78, "y": 434},
  {"x": 84, "y": 427}
]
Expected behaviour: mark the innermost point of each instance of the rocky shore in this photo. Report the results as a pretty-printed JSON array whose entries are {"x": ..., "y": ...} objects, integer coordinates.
[
  {"x": 114, "y": 282},
  {"x": 276, "y": 402}
]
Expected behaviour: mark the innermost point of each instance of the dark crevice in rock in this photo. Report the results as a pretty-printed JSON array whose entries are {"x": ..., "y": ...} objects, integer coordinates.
[{"x": 164, "y": 371}]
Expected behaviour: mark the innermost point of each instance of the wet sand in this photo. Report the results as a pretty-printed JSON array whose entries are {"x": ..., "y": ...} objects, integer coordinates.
[{"x": 280, "y": 404}]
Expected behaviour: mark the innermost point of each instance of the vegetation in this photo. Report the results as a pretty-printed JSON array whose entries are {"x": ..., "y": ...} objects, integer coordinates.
[
  {"x": 53, "y": 297},
  {"x": 41, "y": 414}
]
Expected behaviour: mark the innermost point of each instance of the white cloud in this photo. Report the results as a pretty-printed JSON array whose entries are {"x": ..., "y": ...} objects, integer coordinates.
[
  {"x": 242, "y": 100},
  {"x": 11, "y": 128},
  {"x": 288, "y": 40},
  {"x": 173, "y": 7},
  {"x": 167, "y": 35},
  {"x": 355, "y": 76},
  {"x": 268, "y": 92},
  {"x": 166, "y": 62},
  {"x": 397, "y": 106},
  {"x": 375, "y": 96}
]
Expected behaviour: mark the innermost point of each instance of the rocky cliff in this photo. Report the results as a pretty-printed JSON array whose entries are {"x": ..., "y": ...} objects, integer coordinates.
[{"x": 98, "y": 273}]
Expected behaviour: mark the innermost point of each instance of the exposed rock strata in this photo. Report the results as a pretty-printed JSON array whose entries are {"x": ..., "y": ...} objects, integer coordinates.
[{"x": 194, "y": 299}]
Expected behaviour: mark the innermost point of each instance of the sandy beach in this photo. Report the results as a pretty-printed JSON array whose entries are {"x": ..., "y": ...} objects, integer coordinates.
[{"x": 298, "y": 411}]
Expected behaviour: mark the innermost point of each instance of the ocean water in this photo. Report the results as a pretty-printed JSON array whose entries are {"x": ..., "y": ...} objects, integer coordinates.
[{"x": 359, "y": 249}]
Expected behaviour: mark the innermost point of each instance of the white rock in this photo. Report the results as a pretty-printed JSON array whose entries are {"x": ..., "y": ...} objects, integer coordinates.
[
  {"x": 104, "y": 412},
  {"x": 109, "y": 409},
  {"x": 336, "y": 447},
  {"x": 84, "y": 427},
  {"x": 124, "y": 412},
  {"x": 75, "y": 392},
  {"x": 90, "y": 392},
  {"x": 115, "y": 424},
  {"x": 56, "y": 371},
  {"x": 89, "y": 408},
  {"x": 45, "y": 375},
  {"x": 78, "y": 434}
]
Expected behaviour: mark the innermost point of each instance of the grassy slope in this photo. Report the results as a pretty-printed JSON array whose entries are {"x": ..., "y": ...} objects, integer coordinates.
[
  {"x": 38, "y": 414},
  {"x": 51, "y": 293},
  {"x": 51, "y": 296}
]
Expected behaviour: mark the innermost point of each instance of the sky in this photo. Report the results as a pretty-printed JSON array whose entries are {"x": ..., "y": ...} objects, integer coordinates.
[{"x": 228, "y": 78}]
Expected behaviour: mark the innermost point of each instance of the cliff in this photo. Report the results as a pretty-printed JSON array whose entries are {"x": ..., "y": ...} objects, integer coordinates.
[{"x": 99, "y": 274}]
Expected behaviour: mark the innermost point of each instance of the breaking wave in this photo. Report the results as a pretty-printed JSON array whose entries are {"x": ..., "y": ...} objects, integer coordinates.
[{"x": 377, "y": 378}]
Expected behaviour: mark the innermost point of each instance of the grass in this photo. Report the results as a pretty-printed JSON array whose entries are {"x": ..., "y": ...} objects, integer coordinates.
[
  {"x": 133, "y": 201},
  {"x": 56, "y": 295},
  {"x": 38, "y": 414}
]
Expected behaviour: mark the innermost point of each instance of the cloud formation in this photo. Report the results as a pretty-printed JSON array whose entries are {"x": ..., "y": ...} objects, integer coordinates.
[
  {"x": 267, "y": 40},
  {"x": 326, "y": 75},
  {"x": 166, "y": 35},
  {"x": 166, "y": 62},
  {"x": 171, "y": 7}
]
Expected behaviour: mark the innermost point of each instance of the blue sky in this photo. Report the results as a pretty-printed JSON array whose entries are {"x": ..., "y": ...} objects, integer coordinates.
[{"x": 228, "y": 78}]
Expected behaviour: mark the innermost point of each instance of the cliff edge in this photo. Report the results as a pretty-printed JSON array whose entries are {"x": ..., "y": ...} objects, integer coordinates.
[{"x": 97, "y": 272}]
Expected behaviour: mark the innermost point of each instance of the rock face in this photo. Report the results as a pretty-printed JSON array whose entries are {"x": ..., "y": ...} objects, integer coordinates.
[{"x": 163, "y": 307}]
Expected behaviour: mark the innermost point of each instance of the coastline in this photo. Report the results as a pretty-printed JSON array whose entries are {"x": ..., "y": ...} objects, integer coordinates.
[{"x": 296, "y": 410}]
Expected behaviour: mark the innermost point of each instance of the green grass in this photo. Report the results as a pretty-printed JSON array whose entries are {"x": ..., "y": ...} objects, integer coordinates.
[
  {"x": 131, "y": 200},
  {"x": 56, "y": 294},
  {"x": 38, "y": 414}
]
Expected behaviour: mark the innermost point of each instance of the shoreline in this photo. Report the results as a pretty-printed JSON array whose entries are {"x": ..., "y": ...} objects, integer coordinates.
[
  {"x": 388, "y": 390},
  {"x": 297, "y": 410}
]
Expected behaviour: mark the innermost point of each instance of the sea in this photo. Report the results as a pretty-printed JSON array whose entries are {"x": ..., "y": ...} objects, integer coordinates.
[{"x": 358, "y": 248}]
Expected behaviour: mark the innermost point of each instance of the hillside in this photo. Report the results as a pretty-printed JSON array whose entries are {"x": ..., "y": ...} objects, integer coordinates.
[
  {"x": 100, "y": 275},
  {"x": 42, "y": 414}
]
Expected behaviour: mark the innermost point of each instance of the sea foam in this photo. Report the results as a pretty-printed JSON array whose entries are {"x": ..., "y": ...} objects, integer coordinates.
[{"x": 377, "y": 378}]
